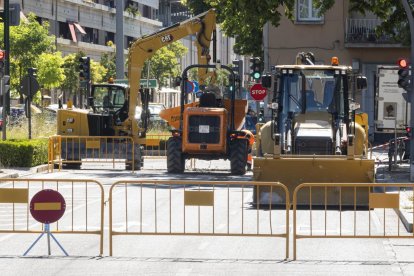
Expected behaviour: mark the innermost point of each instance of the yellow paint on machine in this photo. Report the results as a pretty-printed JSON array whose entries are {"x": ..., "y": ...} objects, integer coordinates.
[
  {"x": 380, "y": 200},
  {"x": 48, "y": 206},
  {"x": 198, "y": 198},
  {"x": 10, "y": 195}
]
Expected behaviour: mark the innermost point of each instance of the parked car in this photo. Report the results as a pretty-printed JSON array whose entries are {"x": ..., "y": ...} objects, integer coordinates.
[{"x": 155, "y": 119}]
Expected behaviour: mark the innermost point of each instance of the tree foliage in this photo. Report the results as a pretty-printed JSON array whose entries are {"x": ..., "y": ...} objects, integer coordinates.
[
  {"x": 395, "y": 22},
  {"x": 27, "y": 43},
  {"x": 164, "y": 63},
  {"x": 109, "y": 62},
  {"x": 49, "y": 69}
]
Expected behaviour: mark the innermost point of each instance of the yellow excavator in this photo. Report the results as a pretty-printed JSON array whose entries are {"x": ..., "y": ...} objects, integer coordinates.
[
  {"x": 118, "y": 118},
  {"x": 316, "y": 134}
]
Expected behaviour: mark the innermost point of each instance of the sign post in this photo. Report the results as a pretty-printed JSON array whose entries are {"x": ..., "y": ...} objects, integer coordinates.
[
  {"x": 47, "y": 206},
  {"x": 258, "y": 92}
]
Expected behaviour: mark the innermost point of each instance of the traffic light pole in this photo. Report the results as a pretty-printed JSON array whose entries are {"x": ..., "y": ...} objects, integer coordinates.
[{"x": 409, "y": 13}]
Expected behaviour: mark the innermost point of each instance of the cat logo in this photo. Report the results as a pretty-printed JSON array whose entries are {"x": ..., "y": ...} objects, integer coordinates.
[{"x": 166, "y": 38}]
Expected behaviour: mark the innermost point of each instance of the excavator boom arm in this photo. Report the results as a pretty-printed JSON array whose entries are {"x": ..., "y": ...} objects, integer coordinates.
[{"x": 143, "y": 48}]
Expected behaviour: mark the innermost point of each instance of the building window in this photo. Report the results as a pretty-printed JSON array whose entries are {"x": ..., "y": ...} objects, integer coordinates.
[{"x": 306, "y": 11}]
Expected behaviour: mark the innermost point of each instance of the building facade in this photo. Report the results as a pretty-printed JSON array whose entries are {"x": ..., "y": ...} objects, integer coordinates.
[
  {"x": 89, "y": 25},
  {"x": 349, "y": 36}
]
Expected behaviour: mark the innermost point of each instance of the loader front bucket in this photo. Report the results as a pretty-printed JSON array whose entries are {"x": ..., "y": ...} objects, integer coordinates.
[{"x": 293, "y": 171}]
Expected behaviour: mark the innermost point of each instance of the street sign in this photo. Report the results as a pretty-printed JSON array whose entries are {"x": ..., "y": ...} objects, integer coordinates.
[
  {"x": 152, "y": 83},
  {"x": 258, "y": 92},
  {"x": 189, "y": 87},
  {"x": 29, "y": 86},
  {"x": 47, "y": 206},
  {"x": 196, "y": 86}
]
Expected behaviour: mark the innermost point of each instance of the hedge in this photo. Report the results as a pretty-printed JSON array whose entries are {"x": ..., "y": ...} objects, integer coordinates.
[{"x": 23, "y": 153}]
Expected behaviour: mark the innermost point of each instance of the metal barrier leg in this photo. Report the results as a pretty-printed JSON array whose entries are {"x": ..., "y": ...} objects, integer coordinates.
[{"x": 49, "y": 234}]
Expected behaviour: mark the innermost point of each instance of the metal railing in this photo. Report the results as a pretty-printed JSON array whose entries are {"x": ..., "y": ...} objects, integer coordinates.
[
  {"x": 197, "y": 208},
  {"x": 354, "y": 204},
  {"x": 90, "y": 149},
  {"x": 362, "y": 30},
  {"x": 84, "y": 212}
]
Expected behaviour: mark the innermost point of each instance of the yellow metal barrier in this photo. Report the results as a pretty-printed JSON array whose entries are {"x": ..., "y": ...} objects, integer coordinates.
[
  {"x": 156, "y": 144},
  {"x": 355, "y": 204},
  {"x": 84, "y": 206},
  {"x": 146, "y": 207},
  {"x": 76, "y": 150}
]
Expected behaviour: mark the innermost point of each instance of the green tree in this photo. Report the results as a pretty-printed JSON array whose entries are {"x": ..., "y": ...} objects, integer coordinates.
[
  {"x": 244, "y": 19},
  {"x": 108, "y": 61},
  {"x": 27, "y": 42},
  {"x": 164, "y": 63},
  {"x": 71, "y": 70},
  {"x": 50, "y": 73},
  {"x": 98, "y": 72}
]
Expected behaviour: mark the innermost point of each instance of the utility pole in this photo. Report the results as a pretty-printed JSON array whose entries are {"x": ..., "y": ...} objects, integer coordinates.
[{"x": 409, "y": 13}]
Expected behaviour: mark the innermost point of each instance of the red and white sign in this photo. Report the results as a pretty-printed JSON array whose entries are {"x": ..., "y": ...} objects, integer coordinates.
[
  {"x": 258, "y": 92},
  {"x": 47, "y": 206}
]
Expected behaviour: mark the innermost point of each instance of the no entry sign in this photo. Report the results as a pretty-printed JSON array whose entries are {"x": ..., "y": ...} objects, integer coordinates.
[
  {"x": 258, "y": 92},
  {"x": 47, "y": 206}
]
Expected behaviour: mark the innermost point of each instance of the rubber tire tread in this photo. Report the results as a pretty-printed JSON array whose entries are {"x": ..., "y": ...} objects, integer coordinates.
[
  {"x": 175, "y": 159},
  {"x": 238, "y": 156}
]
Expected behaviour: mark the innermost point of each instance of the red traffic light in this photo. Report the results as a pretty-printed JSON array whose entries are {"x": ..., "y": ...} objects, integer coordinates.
[
  {"x": 2, "y": 55},
  {"x": 403, "y": 63}
]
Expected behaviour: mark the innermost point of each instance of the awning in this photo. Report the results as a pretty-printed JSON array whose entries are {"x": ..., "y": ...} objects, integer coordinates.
[
  {"x": 72, "y": 32},
  {"x": 79, "y": 27}
]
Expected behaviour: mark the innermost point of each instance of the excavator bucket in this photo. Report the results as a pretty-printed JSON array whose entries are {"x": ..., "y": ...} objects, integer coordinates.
[{"x": 292, "y": 171}]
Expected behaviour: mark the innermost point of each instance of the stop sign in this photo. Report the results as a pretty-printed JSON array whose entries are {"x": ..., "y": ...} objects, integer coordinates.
[
  {"x": 258, "y": 92},
  {"x": 47, "y": 206}
]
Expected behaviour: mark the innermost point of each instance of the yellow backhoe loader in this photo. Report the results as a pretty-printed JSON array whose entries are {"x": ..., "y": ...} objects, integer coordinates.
[
  {"x": 113, "y": 106},
  {"x": 316, "y": 134}
]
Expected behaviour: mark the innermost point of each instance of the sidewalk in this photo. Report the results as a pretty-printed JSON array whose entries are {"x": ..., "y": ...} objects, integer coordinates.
[{"x": 21, "y": 172}]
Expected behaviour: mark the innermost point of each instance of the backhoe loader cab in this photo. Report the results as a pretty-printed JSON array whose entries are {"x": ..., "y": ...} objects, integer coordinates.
[
  {"x": 209, "y": 128},
  {"x": 315, "y": 135}
]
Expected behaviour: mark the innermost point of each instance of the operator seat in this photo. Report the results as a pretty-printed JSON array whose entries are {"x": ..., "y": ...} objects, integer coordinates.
[{"x": 208, "y": 99}]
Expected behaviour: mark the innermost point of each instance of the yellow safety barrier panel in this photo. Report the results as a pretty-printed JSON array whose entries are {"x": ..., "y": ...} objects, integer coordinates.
[
  {"x": 156, "y": 144},
  {"x": 354, "y": 206},
  {"x": 84, "y": 206},
  {"x": 75, "y": 150},
  {"x": 194, "y": 208}
]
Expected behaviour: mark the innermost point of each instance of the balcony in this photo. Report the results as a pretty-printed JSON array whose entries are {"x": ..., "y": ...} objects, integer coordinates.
[{"x": 360, "y": 33}]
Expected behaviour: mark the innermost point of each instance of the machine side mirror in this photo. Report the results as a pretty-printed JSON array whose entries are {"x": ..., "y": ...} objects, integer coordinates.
[
  {"x": 361, "y": 82},
  {"x": 177, "y": 81},
  {"x": 91, "y": 102}
]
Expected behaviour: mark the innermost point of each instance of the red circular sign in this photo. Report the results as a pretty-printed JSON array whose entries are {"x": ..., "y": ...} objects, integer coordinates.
[
  {"x": 47, "y": 206},
  {"x": 258, "y": 92}
]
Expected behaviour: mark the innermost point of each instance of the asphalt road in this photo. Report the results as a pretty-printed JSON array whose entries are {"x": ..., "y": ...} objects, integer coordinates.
[{"x": 201, "y": 254}]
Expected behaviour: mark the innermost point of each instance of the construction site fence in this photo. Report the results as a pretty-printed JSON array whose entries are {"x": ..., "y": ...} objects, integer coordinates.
[
  {"x": 107, "y": 149},
  {"x": 215, "y": 208},
  {"x": 84, "y": 200},
  {"x": 91, "y": 149},
  {"x": 194, "y": 208},
  {"x": 351, "y": 206}
]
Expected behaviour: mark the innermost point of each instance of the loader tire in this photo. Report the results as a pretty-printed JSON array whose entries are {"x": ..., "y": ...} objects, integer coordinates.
[
  {"x": 238, "y": 156},
  {"x": 175, "y": 157},
  {"x": 139, "y": 159}
]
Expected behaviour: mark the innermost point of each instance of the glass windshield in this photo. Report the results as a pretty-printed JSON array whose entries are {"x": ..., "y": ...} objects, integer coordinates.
[
  {"x": 318, "y": 86},
  {"x": 108, "y": 97}
]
